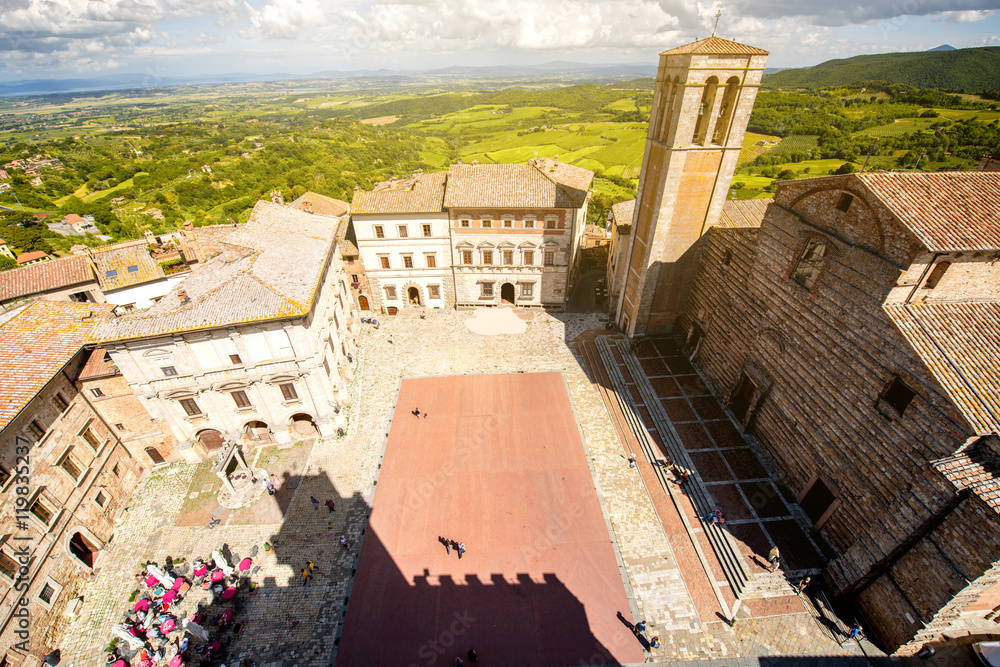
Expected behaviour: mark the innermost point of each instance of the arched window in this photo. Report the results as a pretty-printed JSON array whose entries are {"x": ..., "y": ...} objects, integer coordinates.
[
  {"x": 670, "y": 101},
  {"x": 726, "y": 111},
  {"x": 705, "y": 110},
  {"x": 936, "y": 274}
]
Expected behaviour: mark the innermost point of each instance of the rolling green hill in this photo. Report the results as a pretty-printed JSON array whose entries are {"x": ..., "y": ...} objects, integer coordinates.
[{"x": 965, "y": 70}]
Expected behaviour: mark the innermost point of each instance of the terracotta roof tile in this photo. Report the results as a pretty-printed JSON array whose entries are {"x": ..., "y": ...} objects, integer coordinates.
[
  {"x": 542, "y": 183},
  {"x": 99, "y": 365},
  {"x": 269, "y": 268},
  {"x": 321, "y": 205},
  {"x": 31, "y": 256},
  {"x": 743, "y": 213},
  {"x": 948, "y": 211},
  {"x": 36, "y": 341},
  {"x": 423, "y": 193},
  {"x": 44, "y": 276},
  {"x": 974, "y": 469},
  {"x": 716, "y": 46},
  {"x": 960, "y": 344},
  {"x": 622, "y": 213},
  {"x": 126, "y": 265}
]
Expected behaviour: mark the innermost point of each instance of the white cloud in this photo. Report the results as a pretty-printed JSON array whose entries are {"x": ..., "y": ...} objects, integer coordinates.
[
  {"x": 968, "y": 16},
  {"x": 283, "y": 19}
]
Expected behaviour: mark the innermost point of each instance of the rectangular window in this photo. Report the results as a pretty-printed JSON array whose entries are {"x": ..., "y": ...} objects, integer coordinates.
[
  {"x": 41, "y": 511},
  {"x": 810, "y": 262},
  {"x": 550, "y": 223},
  {"x": 466, "y": 257},
  {"x": 101, "y": 499},
  {"x": 190, "y": 407},
  {"x": 528, "y": 257},
  {"x": 897, "y": 395},
  {"x": 354, "y": 278},
  {"x": 91, "y": 439},
  {"x": 408, "y": 261},
  {"x": 8, "y": 566},
  {"x": 120, "y": 427},
  {"x": 487, "y": 224},
  {"x": 508, "y": 224},
  {"x": 464, "y": 223},
  {"x": 69, "y": 464},
  {"x": 240, "y": 398},
  {"x": 817, "y": 500},
  {"x": 529, "y": 224},
  {"x": 169, "y": 371},
  {"x": 550, "y": 258},
  {"x": 60, "y": 402},
  {"x": 527, "y": 289},
  {"x": 96, "y": 391},
  {"x": 235, "y": 360},
  {"x": 390, "y": 292},
  {"x": 36, "y": 429},
  {"x": 508, "y": 257},
  {"x": 45, "y": 595},
  {"x": 384, "y": 261},
  {"x": 4, "y": 475},
  {"x": 288, "y": 391},
  {"x": 402, "y": 231},
  {"x": 844, "y": 202},
  {"x": 487, "y": 257},
  {"x": 427, "y": 230},
  {"x": 434, "y": 291},
  {"x": 116, "y": 471},
  {"x": 379, "y": 232},
  {"x": 487, "y": 289},
  {"x": 431, "y": 261}
]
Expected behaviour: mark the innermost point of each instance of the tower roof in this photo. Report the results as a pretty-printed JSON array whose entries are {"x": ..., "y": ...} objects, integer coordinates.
[{"x": 716, "y": 46}]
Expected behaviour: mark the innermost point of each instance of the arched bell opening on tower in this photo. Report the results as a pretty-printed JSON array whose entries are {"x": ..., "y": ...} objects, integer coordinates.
[
  {"x": 705, "y": 110},
  {"x": 726, "y": 111}
]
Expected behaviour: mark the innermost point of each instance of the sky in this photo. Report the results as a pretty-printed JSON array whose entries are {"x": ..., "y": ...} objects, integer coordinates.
[{"x": 86, "y": 38}]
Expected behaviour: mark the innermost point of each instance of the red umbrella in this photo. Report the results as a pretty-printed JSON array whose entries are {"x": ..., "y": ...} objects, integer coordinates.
[
  {"x": 229, "y": 593},
  {"x": 245, "y": 564}
]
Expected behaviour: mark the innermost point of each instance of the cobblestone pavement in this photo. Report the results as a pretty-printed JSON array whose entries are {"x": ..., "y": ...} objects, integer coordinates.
[{"x": 292, "y": 623}]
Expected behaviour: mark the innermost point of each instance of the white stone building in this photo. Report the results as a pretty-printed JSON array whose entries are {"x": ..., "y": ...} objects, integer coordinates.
[
  {"x": 257, "y": 343},
  {"x": 620, "y": 226},
  {"x": 402, "y": 232},
  {"x": 480, "y": 235}
]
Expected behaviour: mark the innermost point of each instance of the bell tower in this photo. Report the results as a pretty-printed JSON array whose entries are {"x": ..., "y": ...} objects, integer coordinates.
[{"x": 701, "y": 106}]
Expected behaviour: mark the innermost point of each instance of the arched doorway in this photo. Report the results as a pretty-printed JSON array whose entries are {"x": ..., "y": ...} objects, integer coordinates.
[
  {"x": 211, "y": 439},
  {"x": 303, "y": 425},
  {"x": 363, "y": 302},
  {"x": 258, "y": 431},
  {"x": 507, "y": 293},
  {"x": 154, "y": 455},
  {"x": 83, "y": 549},
  {"x": 413, "y": 296}
]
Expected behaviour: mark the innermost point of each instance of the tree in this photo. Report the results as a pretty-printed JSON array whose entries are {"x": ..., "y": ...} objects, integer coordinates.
[
  {"x": 7, "y": 263},
  {"x": 846, "y": 168}
]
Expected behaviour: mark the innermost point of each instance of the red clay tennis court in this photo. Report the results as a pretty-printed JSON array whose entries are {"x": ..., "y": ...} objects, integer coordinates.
[{"x": 497, "y": 464}]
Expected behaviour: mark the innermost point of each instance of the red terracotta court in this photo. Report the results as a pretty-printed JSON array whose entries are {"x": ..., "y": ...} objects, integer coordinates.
[{"x": 497, "y": 464}]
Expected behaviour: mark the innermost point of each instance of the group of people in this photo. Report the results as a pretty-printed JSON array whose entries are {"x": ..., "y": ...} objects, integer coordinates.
[
  {"x": 370, "y": 320},
  {"x": 452, "y": 544},
  {"x": 418, "y": 414},
  {"x": 152, "y": 634},
  {"x": 675, "y": 473}
]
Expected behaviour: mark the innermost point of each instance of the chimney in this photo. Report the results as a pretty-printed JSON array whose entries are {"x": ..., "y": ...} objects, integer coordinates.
[
  {"x": 307, "y": 206},
  {"x": 277, "y": 198},
  {"x": 183, "y": 296}
]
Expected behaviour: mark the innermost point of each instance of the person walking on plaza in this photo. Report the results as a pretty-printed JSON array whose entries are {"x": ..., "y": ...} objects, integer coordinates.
[
  {"x": 461, "y": 550},
  {"x": 329, "y": 505},
  {"x": 654, "y": 642},
  {"x": 416, "y": 412},
  {"x": 639, "y": 628},
  {"x": 855, "y": 632},
  {"x": 390, "y": 340},
  {"x": 472, "y": 655},
  {"x": 311, "y": 566},
  {"x": 343, "y": 541},
  {"x": 446, "y": 543},
  {"x": 305, "y": 576},
  {"x": 314, "y": 502},
  {"x": 774, "y": 558},
  {"x": 803, "y": 584}
]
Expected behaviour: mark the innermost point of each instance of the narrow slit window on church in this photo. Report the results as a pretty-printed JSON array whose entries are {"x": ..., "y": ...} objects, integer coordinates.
[
  {"x": 810, "y": 262},
  {"x": 936, "y": 274},
  {"x": 844, "y": 202},
  {"x": 897, "y": 395}
]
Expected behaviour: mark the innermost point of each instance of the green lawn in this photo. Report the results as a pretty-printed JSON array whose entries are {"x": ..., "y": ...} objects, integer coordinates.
[{"x": 101, "y": 194}]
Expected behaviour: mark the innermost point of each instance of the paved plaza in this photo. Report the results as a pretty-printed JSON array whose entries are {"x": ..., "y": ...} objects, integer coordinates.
[{"x": 680, "y": 594}]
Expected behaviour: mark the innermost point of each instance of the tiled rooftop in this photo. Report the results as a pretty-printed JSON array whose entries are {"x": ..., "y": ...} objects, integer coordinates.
[
  {"x": 542, "y": 183},
  {"x": 269, "y": 268},
  {"x": 99, "y": 365},
  {"x": 44, "y": 276},
  {"x": 960, "y": 344},
  {"x": 974, "y": 469},
  {"x": 36, "y": 341},
  {"x": 423, "y": 193},
  {"x": 743, "y": 213},
  {"x": 716, "y": 46},
  {"x": 126, "y": 265},
  {"x": 320, "y": 204},
  {"x": 948, "y": 211},
  {"x": 622, "y": 213},
  {"x": 31, "y": 256}
]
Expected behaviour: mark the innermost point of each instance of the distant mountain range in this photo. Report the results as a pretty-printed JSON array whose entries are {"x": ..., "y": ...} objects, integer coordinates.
[
  {"x": 944, "y": 67},
  {"x": 550, "y": 70}
]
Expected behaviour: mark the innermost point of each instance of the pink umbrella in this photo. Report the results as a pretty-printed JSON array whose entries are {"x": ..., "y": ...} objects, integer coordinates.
[
  {"x": 178, "y": 582},
  {"x": 218, "y": 575},
  {"x": 245, "y": 564},
  {"x": 176, "y": 661},
  {"x": 201, "y": 571},
  {"x": 168, "y": 625},
  {"x": 141, "y": 605},
  {"x": 119, "y": 663},
  {"x": 151, "y": 580},
  {"x": 169, "y": 596},
  {"x": 228, "y": 593}
]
